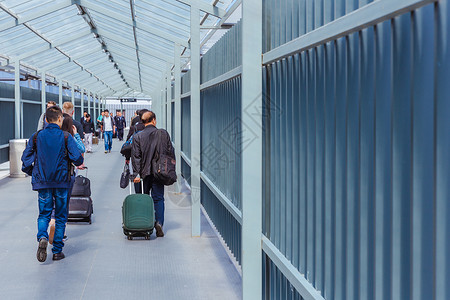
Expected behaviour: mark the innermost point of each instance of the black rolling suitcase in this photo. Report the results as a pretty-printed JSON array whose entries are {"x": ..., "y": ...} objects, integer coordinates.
[{"x": 80, "y": 204}]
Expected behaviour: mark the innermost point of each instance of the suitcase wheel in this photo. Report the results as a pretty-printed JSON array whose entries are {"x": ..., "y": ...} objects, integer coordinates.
[
  {"x": 147, "y": 237},
  {"x": 129, "y": 237}
]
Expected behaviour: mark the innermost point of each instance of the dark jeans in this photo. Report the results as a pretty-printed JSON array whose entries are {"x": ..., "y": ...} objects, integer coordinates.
[
  {"x": 108, "y": 140},
  {"x": 120, "y": 133},
  {"x": 157, "y": 195},
  {"x": 46, "y": 199}
]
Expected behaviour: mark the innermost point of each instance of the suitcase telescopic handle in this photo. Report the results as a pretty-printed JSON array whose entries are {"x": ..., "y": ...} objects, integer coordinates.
[
  {"x": 142, "y": 186},
  {"x": 84, "y": 169}
]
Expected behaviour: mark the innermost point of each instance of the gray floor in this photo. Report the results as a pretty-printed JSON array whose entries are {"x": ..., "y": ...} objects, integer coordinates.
[{"x": 100, "y": 262}]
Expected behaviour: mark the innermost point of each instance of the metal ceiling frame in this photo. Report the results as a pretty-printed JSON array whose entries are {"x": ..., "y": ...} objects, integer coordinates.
[{"x": 105, "y": 76}]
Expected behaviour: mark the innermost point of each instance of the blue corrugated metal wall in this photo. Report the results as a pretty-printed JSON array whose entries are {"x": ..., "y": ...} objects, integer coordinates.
[
  {"x": 221, "y": 156},
  {"x": 31, "y": 111},
  {"x": 359, "y": 183},
  {"x": 186, "y": 126}
]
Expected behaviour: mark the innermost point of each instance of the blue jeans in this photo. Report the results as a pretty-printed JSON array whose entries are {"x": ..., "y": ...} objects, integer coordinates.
[
  {"x": 108, "y": 140},
  {"x": 157, "y": 195},
  {"x": 46, "y": 199}
]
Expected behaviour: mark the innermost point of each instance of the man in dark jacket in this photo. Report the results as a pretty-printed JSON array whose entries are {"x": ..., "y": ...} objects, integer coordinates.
[
  {"x": 143, "y": 150},
  {"x": 120, "y": 125},
  {"x": 48, "y": 158}
]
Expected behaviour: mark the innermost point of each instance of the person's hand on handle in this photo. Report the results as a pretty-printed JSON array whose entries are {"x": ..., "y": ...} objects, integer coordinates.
[
  {"x": 137, "y": 180},
  {"x": 74, "y": 130}
]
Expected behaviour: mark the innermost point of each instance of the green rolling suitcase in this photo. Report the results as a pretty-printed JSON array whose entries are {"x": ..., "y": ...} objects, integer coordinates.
[{"x": 138, "y": 215}]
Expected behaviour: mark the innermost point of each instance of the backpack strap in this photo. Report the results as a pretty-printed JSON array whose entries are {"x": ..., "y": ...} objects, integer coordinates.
[{"x": 35, "y": 140}]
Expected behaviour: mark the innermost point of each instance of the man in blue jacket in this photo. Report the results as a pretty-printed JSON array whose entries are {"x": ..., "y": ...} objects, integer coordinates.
[{"x": 48, "y": 158}]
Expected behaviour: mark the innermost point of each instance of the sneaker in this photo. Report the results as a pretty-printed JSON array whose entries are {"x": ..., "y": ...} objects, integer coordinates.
[
  {"x": 58, "y": 256},
  {"x": 42, "y": 250},
  {"x": 109, "y": 151},
  {"x": 106, "y": 151},
  {"x": 51, "y": 234},
  {"x": 65, "y": 238},
  {"x": 159, "y": 230}
]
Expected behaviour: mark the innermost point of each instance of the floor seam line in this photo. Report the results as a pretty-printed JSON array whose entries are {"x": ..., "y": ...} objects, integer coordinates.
[{"x": 89, "y": 275}]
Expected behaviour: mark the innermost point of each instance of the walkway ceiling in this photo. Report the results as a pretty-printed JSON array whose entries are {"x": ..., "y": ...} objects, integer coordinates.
[{"x": 110, "y": 47}]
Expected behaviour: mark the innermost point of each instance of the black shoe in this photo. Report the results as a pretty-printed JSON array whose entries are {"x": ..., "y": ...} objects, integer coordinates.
[
  {"x": 42, "y": 250},
  {"x": 58, "y": 256},
  {"x": 159, "y": 231}
]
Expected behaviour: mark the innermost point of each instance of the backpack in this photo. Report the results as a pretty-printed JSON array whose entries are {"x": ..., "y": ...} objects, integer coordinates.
[
  {"x": 126, "y": 147},
  {"x": 163, "y": 162}
]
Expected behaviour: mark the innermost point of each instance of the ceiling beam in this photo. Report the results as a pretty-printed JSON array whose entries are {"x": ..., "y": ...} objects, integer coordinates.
[
  {"x": 126, "y": 43},
  {"x": 51, "y": 46},
  {"x": 127, "y": 20},
  {"x": 34, "y": 15},
  {"x": 207, "y": 8}
]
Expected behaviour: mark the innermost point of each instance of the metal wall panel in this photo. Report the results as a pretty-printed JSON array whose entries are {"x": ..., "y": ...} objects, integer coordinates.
[
  {"x": 186, "y": 126},
  {"x": 225, "y": 223},
  {"x": 30, "y": 116},
  {"x": 31, "y": 111},
  {"x": 186, "y": 82},
  {"x": 221, "y": 132},
  {"x": 224, "y": 56},
  {"x": 356, "y": 136},
  {"x": 186, "y": 170},
  {"x": 172, "y": 121},
  {"x": 285, "y": 20}
]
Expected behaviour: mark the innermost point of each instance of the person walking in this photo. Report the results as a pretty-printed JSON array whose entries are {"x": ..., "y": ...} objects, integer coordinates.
[
  {"x": 138, "y": 126},
  {"x": 88, "y": 130},
  {"x": 83, "y": 118},
  {"x": 42, "y": 123},
  {"x": 68, "y": 109},
  {"x": 67, "y": 126},
  {"x": 108, "y": 129},
  {"x": 120, "y": 125},
  {"x": 143, "y": 151},
  {"x": 48, "y": 158}
]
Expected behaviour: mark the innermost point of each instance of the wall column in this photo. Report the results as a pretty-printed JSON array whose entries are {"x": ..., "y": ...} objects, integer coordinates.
[
  {"x": 252, "y": 153},
  {"x": 195, "y": 119},
  {"x": 177, "y": 75},
  {"x": 17, "y": 100},
  {"x": 43, "y": 94}
]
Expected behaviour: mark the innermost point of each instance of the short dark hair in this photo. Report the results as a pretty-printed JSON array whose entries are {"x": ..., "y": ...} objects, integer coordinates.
[
  {"x": 88, "y": 115},
  {"x": 106, "y": 110},
  {"x": 53, "y": 113},
  {"x": 51, "y": 102},
  {"x": 148, "y": 117},
  {"x": 142, "y": 112}
]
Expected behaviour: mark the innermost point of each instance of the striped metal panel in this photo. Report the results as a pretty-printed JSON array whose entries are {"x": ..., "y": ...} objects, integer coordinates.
[
  {"x": 285, "y": 20},
  {"x": 186, "y": 170},
  {"x": 172, "y": 121},
  {"x": 186, "y": 126},
  {"x": 358, "y": 179},
  {"x": 223, "y": 220},
  {"x": 224, "y": 56},
  {"x": 221, "y": 132},
  {"x": 186, "y": 82},
  {"x": 275, "y": 284},
  {"x": 31, "y": 115}
]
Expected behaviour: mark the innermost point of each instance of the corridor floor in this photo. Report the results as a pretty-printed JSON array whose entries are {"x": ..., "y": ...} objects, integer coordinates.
[{"x": 100, "y": 262}]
